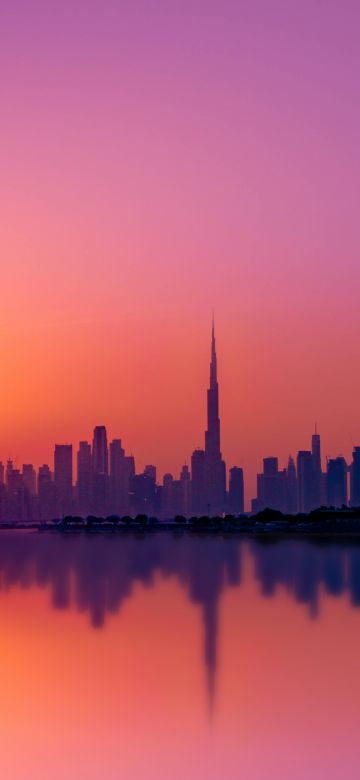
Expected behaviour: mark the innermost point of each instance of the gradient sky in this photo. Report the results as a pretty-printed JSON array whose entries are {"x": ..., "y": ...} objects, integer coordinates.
[{"x": 159, "y": 158}]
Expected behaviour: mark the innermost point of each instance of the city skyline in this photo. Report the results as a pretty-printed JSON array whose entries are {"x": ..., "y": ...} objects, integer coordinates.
[
  {"x": 107, "y": 481},
  {"x": 177, "y": 159}
]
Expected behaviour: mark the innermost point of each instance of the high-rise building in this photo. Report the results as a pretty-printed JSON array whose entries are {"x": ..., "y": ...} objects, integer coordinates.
[
  {"x": 29, "y": 477},
  {"x": 63, "y": 470},
  {"x": 236, "y": 491},
  {"x": 215, "y": 469},
  {"x": 100, "y": 470},
  {"x": 129, "y": 473},
  {"x": 118, "y": 486},
  {"x": 143, "y": 494},
  {"x": 84, "y": 478},
  {"x": 150, "y": 471},
  {"x": 167, "y": 504},
  {"x": 2, "y": 473},
  {"x": 336, "y": 482},
  {"x": 17, "y": 508},
  {"x": 198, "y": 495},
  {"x": 46, "y": 494},
  {"x": 316, "y": 460},
  {"x": 355, "y": 478},
  {"x": 9, "y": 469},
  {"x": 271, "y": 486},
  {"x": 291, "y": 487},
  {"x": 185, "y": 490},
  {"x": 305, "y": 480}
]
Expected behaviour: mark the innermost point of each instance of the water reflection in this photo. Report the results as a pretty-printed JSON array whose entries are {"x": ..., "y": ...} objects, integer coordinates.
[{"x": 96, "y": 574}]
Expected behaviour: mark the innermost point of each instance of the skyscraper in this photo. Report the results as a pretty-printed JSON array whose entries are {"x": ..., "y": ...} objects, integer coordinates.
[
  {"x": 185, "y": 483},
  {"x": 100, "y": 470},
  {"x": 198, "y": 500},
  {"x": 336, "y": 482},
  {"x": 118, "y": 502},
  {"x": 305, "y": 479},
  {"x": 271, "y": 486},
  {"x": 46, "y": 494},
  {"x": 63, "y": 477},
  {"x": 83, "y": 486},
  {"x": 236, "y": 491},
  {"x": 215, "y": 470},
  {"x": 316, "y": 458},
  {"x": 291, "y": 487},
  {"x": 29, "y": 477}
]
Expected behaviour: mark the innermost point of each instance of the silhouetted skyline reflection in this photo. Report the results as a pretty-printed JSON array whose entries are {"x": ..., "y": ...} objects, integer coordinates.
[{"x": 96, "y": 574}]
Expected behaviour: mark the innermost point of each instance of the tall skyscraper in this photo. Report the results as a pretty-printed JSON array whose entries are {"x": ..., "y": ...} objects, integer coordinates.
[
  {"x": 198, "y": 498},
  {"x": 271, "y": 486},
  {"x": 336, "y": 482},
  {"x": 316, "y": 459},
  {"x": 63, "y": 467},
  {"x": 100, "y": 470},
  {"x": 29, "y": 477},
  {"x": 215, "y": 469},
  {"x": 305, "y": 479},
  {"x": 84, "y": 472},
  {"x": 46, "y": 494},
  {"x": 236, "y": 491},
  {"x": 117, "y": 484},
  {"x": 185, "y": 488},
  {"x": 291, "y": 487}
]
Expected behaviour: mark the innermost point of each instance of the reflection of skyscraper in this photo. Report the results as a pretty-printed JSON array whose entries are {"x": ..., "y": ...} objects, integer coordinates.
[
  {"x": 63, "y": 477},
  {"x": 215, "y": 470},
  {"x": 100, "y": 470}
]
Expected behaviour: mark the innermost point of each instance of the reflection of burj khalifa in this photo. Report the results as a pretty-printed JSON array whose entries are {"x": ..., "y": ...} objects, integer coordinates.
[{"x": 215, "y": 470}]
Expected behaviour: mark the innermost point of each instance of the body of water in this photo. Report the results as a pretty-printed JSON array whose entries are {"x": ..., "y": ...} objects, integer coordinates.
[{"x": 178, "y": 658}]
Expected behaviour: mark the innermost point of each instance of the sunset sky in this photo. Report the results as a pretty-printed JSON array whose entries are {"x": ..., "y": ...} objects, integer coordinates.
[{"x": 159, "y": 158}]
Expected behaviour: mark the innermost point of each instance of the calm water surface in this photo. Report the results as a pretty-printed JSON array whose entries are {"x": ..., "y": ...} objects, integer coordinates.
[{"x": 178, "y": 658}]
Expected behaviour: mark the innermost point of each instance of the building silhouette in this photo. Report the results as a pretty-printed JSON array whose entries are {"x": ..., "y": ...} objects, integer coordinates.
[
  {"x": 84, "y": 478},
  {"x": 317, "y": 471},
  {"x": 100, "y": 470},
  {"x": 107, "y": 481},
  {"x": 236, "y": 491},
  {"x": 215, "y": 469},
  {"x": 305, "y": 480},
  {"x": 47, "y": 504},
  {"x": 63, "y": 478},
  {"x": 291, "y": 487},
  {"x": 271, "y": 487},
  {"x": 336, "y": 482},
  {"x": 198, "y": 491}
]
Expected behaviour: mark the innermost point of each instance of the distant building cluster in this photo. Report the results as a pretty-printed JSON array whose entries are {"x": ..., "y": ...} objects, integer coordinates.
[
  {"x": 107, "y": 483},
  {"x": 303, "y": 486}
]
